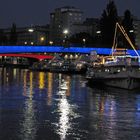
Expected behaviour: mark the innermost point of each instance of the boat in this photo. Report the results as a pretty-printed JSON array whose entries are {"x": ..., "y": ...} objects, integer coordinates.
[
  {"x": 60, "y": 65},
  {"x": 119, "y": 69},
  {"x": 66, "y": 66},
  {"x": 40, "y": 66}
]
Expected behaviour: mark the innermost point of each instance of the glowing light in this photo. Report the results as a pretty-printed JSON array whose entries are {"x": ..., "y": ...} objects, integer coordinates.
[
  {"x": 84, "y": 40},
  {"x": 30, "y": 30},
  {"x": 57, "y": 49},
  {"x": 64, "y": 109},
  {"x": 42, "y": 39},
  {"x": 66, "y": 56},
  {"x": 131, "y": 31},
  {"x": 50, "y": 42},
  {"x": 71, "y": 56},
  {"x": 76, "y": 56},
  {"x": 98, "y": 32},
  {"x": 32, "y": 43},
  {"x": 66, "y": 31}
]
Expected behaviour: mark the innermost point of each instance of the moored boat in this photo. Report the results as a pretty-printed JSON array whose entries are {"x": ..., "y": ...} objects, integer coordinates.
[{"x": 117, "y": 70}]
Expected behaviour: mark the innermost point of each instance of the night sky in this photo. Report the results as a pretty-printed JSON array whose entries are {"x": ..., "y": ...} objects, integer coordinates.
[{"x": 33, "y": 12}]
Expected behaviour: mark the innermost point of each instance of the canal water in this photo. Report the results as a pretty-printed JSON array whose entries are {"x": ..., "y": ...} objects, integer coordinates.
[{"x": 52, "y": 106}]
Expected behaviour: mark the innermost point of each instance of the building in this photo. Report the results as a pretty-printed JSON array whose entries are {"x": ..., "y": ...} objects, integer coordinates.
[
  {"x": 32, "y": 35},
  {"x": 80, "y": 28},
  {"x": 61, "y": 21},
  {"x": 136, "y": 29},
  {"x": 94, "y": 24},
  {"x": 136, "y": 23}
]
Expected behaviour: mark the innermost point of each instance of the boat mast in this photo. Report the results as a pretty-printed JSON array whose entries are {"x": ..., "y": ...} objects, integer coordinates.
[
  {"x": 114, "y": 41},
  {"x": 126, "y": 36}
]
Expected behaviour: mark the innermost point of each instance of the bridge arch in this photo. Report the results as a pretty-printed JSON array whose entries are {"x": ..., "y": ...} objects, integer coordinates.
[{"x": 35, "y": 56}]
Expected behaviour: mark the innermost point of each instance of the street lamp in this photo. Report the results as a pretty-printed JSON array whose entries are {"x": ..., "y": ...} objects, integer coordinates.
[
  {"x": 51, "y": 42},
  {"x": 32, "y": 43},
  {"x": 84, "y": 41},
  {"x": 65, "y": 32},
  {"x": 42, "y": 39},
  {"x": 31, "y": 30}
]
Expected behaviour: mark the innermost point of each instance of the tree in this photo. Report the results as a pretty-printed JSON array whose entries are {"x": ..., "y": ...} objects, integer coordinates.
[
  {"x": 13, "y": 35},
  {"x": 108, "y": 22},
  {"x": 81, "y": 39},
  {"x": 127, "y": 23}
]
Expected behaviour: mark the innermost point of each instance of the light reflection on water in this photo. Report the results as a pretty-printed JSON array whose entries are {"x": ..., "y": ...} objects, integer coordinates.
[
  {"x": 65, "y": 109},
  {"x": 39, "y": 105},
  {"x": 28, "y": 126}
]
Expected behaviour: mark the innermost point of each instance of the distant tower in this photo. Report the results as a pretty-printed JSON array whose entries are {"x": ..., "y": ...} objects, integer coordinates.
[{"x": 62, "y": 19}]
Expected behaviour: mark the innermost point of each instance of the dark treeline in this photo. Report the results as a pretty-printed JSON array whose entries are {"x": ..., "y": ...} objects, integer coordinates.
[
  {"x": 8, "y": 40},
  {"x": 108, "y": 23}
]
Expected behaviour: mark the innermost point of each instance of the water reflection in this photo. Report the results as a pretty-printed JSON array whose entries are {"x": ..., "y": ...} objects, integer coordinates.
[
  {"x": 25, "y": 83},
  {"x": 64, "y": 109},
  {"x": 31, "y": 85},
  {"x": 28, "y": 126},
  {"x": 56, "y": 106},
  {"x": 50, "y": 87},
  {"x": 41, "y": 80},
  {"x": 115, "y": 115}
]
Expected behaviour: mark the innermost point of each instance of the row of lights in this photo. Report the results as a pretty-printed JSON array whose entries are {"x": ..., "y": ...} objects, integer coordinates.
[
  {"x": 66, "y": 32},
  {"x": 32, "y": 43}
]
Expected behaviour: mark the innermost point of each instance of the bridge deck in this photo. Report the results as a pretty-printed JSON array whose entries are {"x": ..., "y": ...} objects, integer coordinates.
[{"x": 56, "y": 49}]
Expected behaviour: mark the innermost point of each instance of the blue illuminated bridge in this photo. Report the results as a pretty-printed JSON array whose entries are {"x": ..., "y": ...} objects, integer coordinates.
[{"x": 56, "y": 49}]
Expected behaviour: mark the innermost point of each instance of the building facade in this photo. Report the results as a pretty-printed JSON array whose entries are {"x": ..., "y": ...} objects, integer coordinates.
[
  {"x": 35, "y": 35},
  {"x": 61, "y": 22},
  {"x": 136, "y": 23}
]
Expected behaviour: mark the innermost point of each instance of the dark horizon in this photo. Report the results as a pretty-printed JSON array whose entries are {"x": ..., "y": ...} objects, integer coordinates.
[{"x": 26, "y": 13}]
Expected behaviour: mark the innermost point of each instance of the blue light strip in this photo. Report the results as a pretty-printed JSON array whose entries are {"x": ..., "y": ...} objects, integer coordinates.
[{"x": 56, "y": 49}]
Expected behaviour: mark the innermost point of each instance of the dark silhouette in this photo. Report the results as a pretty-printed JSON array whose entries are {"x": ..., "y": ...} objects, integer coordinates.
[
  {"x": 81, "y": 39},
  {"x": 3, "y": 38},
  {"x": 127, "y": 23},
  {"x": 107, "y": 23},
  {"x": 13, "y": 35}
]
